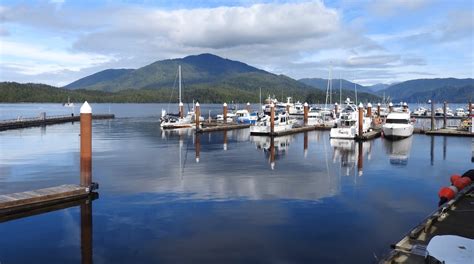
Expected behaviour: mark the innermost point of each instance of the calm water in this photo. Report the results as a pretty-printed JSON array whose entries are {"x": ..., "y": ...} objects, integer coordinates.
[{"x": 170, "y": 197}]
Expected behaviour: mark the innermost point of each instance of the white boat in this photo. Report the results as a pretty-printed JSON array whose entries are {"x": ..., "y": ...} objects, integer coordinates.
[
  {"x": 230, "y": 117},
  {"x": 244, "y": 117},
  {"x": 347, "y": 125},
  {"x": 461, "y": 112},
  {"x": 263, "y": 126},
  {"x": 398, "y": 125},
  {"x": 420, "y": 111},
  {"x": 68, "y": 104},
  {"x": 171, "y": 121}
]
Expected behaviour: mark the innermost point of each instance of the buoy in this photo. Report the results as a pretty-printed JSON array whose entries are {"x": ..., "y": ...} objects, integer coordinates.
[
  {"x": 461, "y": 183},
  {"x": 448, "y": 192},
  {"x": 454, "y": 178}
]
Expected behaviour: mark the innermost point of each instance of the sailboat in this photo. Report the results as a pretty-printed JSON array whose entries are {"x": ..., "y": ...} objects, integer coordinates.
[
  {"x": 170, "y": 121},
  {"x": 68, "y": 104}
]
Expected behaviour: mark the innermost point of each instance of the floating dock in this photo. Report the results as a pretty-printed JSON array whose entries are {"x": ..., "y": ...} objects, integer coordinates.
[
  {"x": 31, "y": 200},
  {"x": 294, "y": 130},
  {"x": 449, "y": 132},
  {"x": 452, "y": 218},
  {"x": 33, "y": 122},
  {"x": 210, "y": 127},
  {"x": 369, "y": 135}
]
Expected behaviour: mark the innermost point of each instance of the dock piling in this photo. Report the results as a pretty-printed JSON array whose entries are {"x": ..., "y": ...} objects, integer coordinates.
[
  {"x": 432, "y": 115},
  {"x": 444, "y": 115},
  {"x": 335, "y": 109},
  {"x": 306, "y": 109},
  {"x": 361, "y": 119},
  {"x": 369, "y": 110},
  {"x": 378, "y": 109},
  {"x": 390, "y": 107},
  {"x": 86, "y": 145},
  {"x": 181, "y": 110},
  {"x": 197, "y": 116},
  {"x": 470, "y": 108},
  {"x": 249, "y": 107},
  {"x": 224, "y": 112},
  {"x": 272, "y": 118}
]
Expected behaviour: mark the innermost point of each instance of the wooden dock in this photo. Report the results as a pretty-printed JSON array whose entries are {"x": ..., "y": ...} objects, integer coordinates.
[
  {"x": 32, "y": 200},
  {"x": 33, "y": 122},
  {"x": 449, "y": 132},
  {"x": 210, "y": 127},
  {"x": 292, "y": 131},
  {"x": 369, "y": 135}
]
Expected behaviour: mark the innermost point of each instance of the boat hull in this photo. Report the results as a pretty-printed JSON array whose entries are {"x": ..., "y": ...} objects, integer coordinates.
[
  {"x": 397, "y": 132},
  {"x": 343, "y": 132},
  {"x": 265, "y": 130}
]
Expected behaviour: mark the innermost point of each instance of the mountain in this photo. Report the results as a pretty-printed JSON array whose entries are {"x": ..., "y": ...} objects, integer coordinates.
[
  {"x": 206, "y": 77},
  {"x": 449, "y": 94},
  {"x": 378, "y": 87},
  {"x": 414, "y": 90},
  {"x": 97, "y": 79}
]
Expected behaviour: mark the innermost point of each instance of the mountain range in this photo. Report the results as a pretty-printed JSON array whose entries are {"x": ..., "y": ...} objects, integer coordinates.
[{"x": 211, "y": 79}]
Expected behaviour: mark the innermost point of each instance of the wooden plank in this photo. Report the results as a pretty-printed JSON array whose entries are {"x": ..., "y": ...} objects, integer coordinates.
[
  {"x": 24, "y": 200},
  {"x": 449, "y": 132}
]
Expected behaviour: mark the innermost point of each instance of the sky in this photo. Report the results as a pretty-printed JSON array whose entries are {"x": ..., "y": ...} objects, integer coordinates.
[{"x": 367, "y": 41}]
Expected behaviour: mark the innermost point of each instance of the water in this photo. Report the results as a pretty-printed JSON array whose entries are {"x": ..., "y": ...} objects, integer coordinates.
[{"x": 232, "y": 199}]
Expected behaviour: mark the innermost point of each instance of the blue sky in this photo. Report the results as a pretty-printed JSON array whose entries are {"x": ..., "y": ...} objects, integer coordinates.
[{"x": 384, "y": 41}]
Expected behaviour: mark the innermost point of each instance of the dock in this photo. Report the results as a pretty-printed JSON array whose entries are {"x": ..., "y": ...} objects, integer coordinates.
[
  {"x": 369, "y": 135},
  {"x": 34, "y": 122},
  {"x": 294, "y": 130},
  {"x": 436, "y": 117},
  {"x": 449, "y": 132},
  {"x": 32, "y": 200},
  {"x": 453, "y": 218},
  {"x": 211, "y": 127}
]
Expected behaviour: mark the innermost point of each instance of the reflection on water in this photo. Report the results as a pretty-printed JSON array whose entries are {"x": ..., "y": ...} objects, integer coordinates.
[
  {"x": 398, "y": 150},
  {"x": 247, "y": 199}
]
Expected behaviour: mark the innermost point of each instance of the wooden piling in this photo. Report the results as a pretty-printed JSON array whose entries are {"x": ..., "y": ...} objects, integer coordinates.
[
  {"x": 361, "y": 119},
  {"x": 272, "y": 118},
  {"x": 378, "y": 109},
  {"x": 305, "y": 116},
  {"x": 224, "y": 112},
  {"x": 470, "y": 108},
  {"x": 86, "y": 145},
  {"x": 432, "y": 115},
  {"x": 390, "y": 107},
  {"x": 197, "y": 115},
  {"x": 249, "y": 107},
  {"x": 444, "y": 115},
  {"x": 335, "y": 109},
  {"x": 181, "y": 110},
  {"x": 369, "y": 110}
]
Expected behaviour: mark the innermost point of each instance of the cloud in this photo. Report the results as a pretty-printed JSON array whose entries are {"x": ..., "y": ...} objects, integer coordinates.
[{"x": 393, "y": 7}]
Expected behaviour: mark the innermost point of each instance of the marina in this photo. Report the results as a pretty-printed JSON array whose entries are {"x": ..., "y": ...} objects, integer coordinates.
[{"x": 177, "y": 173}]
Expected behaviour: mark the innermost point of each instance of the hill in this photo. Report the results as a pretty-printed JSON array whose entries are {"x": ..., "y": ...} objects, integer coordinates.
[
  {"x": 322, "y": 84},
  {"x": 414, "y": 90},
  {"x": 206, "y": 77},
  {"x": 447, "y": 93}
]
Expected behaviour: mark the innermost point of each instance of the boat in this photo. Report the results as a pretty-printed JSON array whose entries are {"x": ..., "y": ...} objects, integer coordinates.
[
  {"x": 171, "y": 121},
  {"x": 263, "y": 125},
  {"x": 68, "y": 104},
  {"x": 398, "y": 125},
  {"x": 440, "y": 112},
  {"x": 460, "y": 112},
  {"x": 244, "y": 117},
  {"x": 347, "y": 125},
  {"x": 420, "y": 111}
]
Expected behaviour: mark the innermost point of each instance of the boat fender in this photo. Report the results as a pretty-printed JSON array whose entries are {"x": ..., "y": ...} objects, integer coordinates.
[
  {"x": 454, "y": 178},
  {"x": 461, "y": 183},
  {"x": 447, "y": 193}
]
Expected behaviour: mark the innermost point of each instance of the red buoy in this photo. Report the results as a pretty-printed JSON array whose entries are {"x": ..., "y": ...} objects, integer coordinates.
[
  {"x": 448, "y": 192},
  {"x": 454, "y": 177}
]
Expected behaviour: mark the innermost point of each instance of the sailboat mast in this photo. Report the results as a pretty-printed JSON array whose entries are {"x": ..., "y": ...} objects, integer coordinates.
[
  {"x": 179, "y": 78},
  {"x": 330, "y": 85},
  {"x": 340, "y": 88}
]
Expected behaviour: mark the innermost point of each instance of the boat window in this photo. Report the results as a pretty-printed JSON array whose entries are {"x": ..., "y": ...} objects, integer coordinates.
[{"x": 397, "y": 121}]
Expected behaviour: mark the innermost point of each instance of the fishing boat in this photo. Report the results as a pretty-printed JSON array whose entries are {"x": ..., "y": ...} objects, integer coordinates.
[
  {"x": 171, "y": 121},
  {"x": 398, "y": 125},
  {"x": 263, "y": 125},
  {"x": 68, "y": 104}
]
